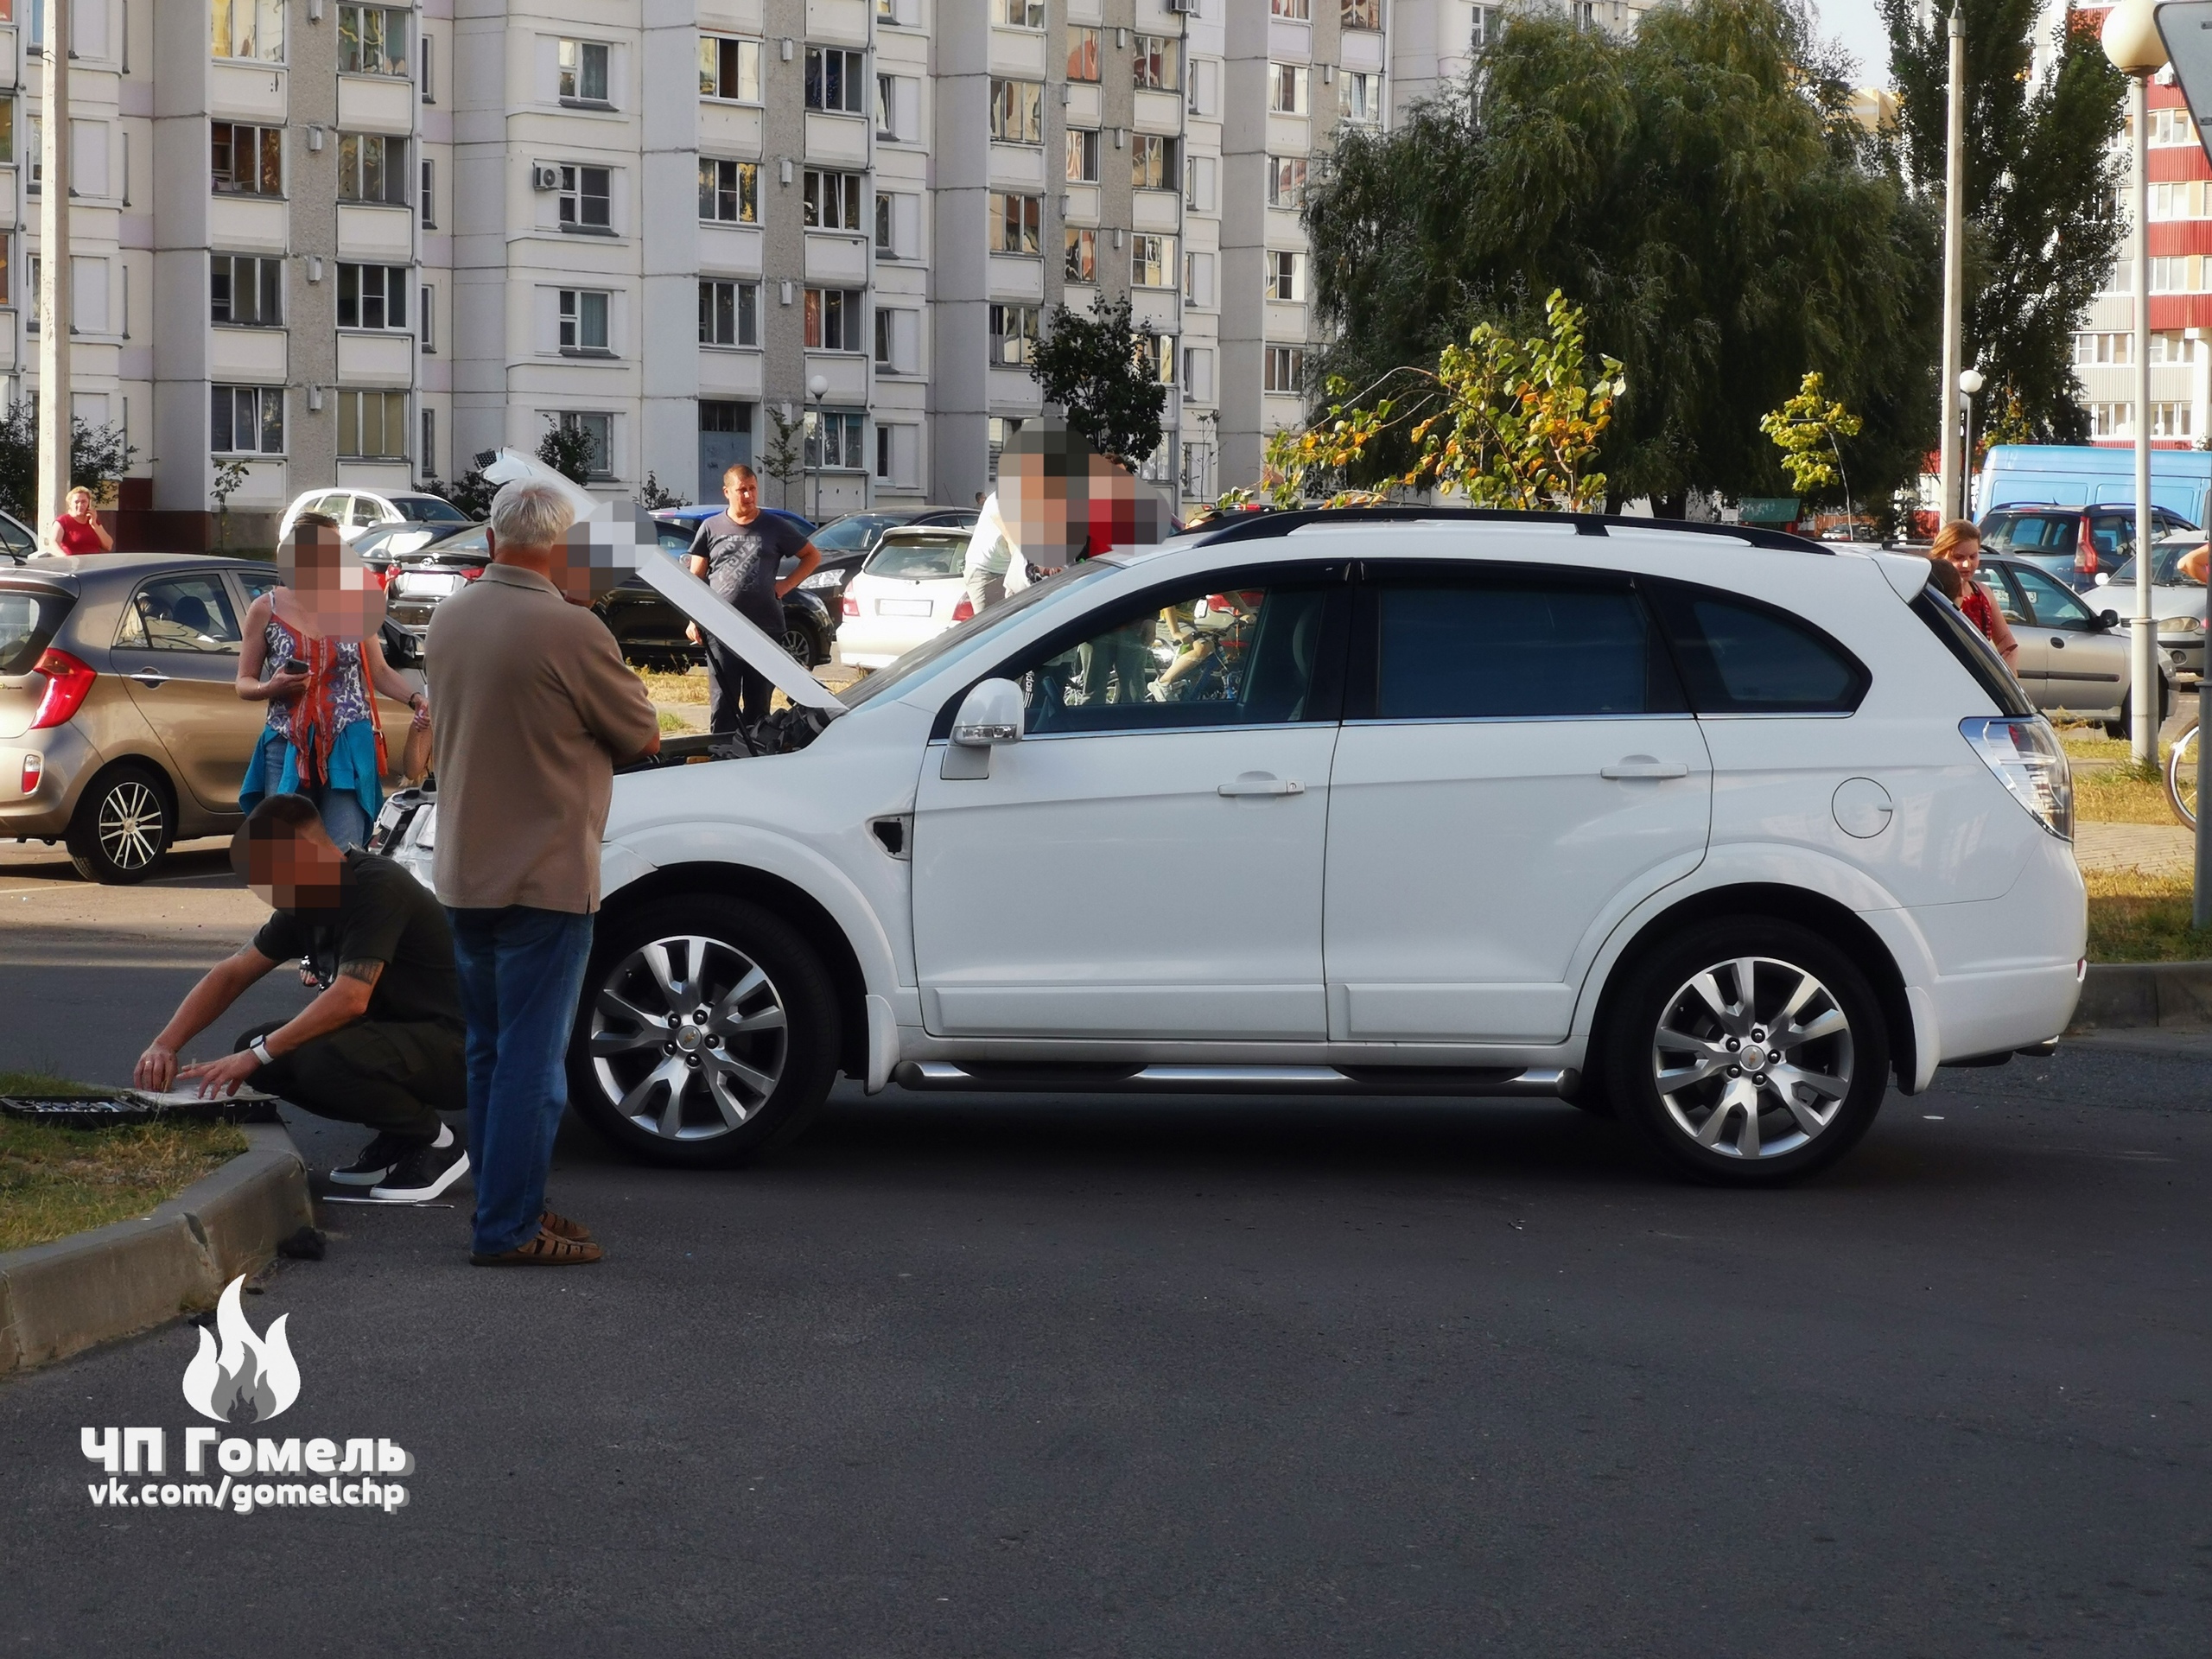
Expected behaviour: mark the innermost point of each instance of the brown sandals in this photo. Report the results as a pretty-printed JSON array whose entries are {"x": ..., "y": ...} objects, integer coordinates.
[
  {"x": 562, "y": 1227},
  {"x": 548, "y": 1250}
]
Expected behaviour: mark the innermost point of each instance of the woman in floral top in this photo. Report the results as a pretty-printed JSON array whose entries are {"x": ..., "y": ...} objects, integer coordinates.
[{"x": 323, "y": 739}]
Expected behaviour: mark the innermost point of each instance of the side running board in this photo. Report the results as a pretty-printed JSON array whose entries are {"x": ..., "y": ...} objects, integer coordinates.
[{"x": 974, "y": 1077}]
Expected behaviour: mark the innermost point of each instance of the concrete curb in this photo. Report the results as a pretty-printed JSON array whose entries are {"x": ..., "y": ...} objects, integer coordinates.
[
  {"x": 60, "y": 1299},
  {"x": 2119, "y": 995}
]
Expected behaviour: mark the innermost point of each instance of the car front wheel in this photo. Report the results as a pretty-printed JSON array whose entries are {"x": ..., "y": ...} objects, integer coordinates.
[
  {"x": 1748, "y": 1053},
  {"x": 707, "y": 1031},
  {"x": 123, "y": 826}
]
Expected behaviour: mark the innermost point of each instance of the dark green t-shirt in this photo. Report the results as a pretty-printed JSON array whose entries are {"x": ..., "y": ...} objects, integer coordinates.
[{"x": 383, "y": 915}]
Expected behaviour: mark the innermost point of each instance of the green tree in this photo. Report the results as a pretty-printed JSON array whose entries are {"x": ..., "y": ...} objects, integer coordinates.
[
  {"x": 2043, "y": 223},
  {"x": 1098, "y": 369},
  {"x": 568, "y": 450},
  {"x": 97, "y": 455},
  {"x": 785, "y": 459},
  {"x": 1699, "y": 187},
  {"x": 1808, "y": 430}
]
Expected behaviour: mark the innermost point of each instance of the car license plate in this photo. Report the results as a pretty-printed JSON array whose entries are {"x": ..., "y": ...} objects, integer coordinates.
[
  {"x": 429, "y": 582},
  {"x": 902, "y": 608}
]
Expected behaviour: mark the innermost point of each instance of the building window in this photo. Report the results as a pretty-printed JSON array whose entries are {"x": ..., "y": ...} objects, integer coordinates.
[
  {"x": 729, "y": 313},
  {"x": 1082, "y": 248},
  {"x": 716, "y": 415},
  {"x": 582, "y": 72},
  {"x": 1159, "y": 63},
  {"x": 429, "y": 194},
  {"x": 2179, "y": 199},
  {"x": 6, "y": 268},
  {"x": 246, "y": 161},
  {"x": 1282, "y": 368},
  {"x": 832, "y": 201},
  {"x": 372, "y": 425},
  {"x": 729, "y": 191},
  {"x": 1298, "y": 11},
  {"x": 426, "y": 328},
  {"x": 1151, "y": 163},
  {"x": 1021, "y": 14},
  {"x": 883, "y": 332},
  {"x": 1018, "y": 112},
  {"x": 2104, "y": 348},
  {"x": 834, "y": 441},
  {"x": 599, "y": 429},
  {"x": 583, "y": 322},
  {"x": 2112, "y": 420},
  {"x": 429, "y": 96},
  {"x": 2170, "y": 419},
  {"x": 1286, "y": 88},
  {"x": 837, "y": 81},
  {"x": 1359, "y": 99},
  {"x": 1286, "y": 276},
  {"x": 1485, "y": 29},
  {"x": 243, "y": 29},
  {"x": 372, "y": 40},
  {"x": 997, "y": 429},
  {"x": 429, "y": 443},
  {"x": 246, "y": 420},
  {"x": 2176, "y": 274},
  {"x": 1361, "y": 14},
  {"x": 885, "y": 241},
  {"x": 883, "y": 453},
  {"x": 1016, "y": 222},
  {"x": 730, "y": 68},
  {"x": 1014, "y": 336},
  {"x": 1152, "y": 262},
  {"x": 586, "y": 199},
  {"x": 245, "y": 291},
  {"x": 833, "y": 319},
  {"x": 7, "y": 128},
  {"x": 372, "y": 168},
  {"x": 1286, "y": 180},
  {"x": 1082, "y": 155},
  {"x": 372, "y": 296},
  {"x": 1083, "y": 53},
  {"x": 1198, "y": 472},
  {"x": 1198, "y": 374},
  {"x": 886, "y": 105},
  {"x": 2171, "y": 127},
  {"x": 1197, "y": 278},
  {"x": 2171, "y": 349},
  {"x": 1157, "y": 354}
]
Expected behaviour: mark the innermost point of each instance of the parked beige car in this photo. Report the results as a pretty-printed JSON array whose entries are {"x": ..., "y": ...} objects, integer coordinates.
[{"x": 121, "y": 729}]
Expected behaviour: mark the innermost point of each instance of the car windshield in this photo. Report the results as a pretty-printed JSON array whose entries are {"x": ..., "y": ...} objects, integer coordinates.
[
  {"x": 919, "y": 559},
  {"x": 2166, "y": 562},
  {"x": 990, "y": 622},
  {"x": 476, "y": 541},
  {"x": 854, "y": 531},
  {"x": 428, "y": 510},
  {"x": 29, "y": 617}
]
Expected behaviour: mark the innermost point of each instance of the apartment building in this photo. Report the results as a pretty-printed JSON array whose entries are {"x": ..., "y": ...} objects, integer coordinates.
[{"x": 317, "y": 242}]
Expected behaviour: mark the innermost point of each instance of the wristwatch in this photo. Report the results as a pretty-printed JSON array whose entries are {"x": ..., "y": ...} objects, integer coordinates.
[{"x": 259, "y": 1049}]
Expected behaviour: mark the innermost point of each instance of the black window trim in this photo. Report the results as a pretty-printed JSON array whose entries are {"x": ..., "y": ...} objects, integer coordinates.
[
  {"x": 1661, "y": 587},
  {"x": 1279, "y": 574}
]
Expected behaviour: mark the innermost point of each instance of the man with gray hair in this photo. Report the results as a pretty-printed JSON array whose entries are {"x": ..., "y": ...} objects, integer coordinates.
[{"x": 534, "y": 710}]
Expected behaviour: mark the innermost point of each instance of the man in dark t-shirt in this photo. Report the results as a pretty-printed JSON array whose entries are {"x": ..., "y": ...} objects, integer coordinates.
[
  {"x": 738, "y": 553},
  {"x": 382, "y": 1045}
]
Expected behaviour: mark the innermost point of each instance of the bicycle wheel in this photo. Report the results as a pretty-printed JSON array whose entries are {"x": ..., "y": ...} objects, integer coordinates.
[{"x": 2181, "y": 777}]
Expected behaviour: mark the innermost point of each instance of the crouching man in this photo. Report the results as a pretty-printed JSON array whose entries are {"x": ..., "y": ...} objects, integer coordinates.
[{"x": 382, "y": 1045}]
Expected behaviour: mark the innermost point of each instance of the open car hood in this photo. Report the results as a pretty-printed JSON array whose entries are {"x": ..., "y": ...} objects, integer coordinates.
[{"x": 624, "y": 535}]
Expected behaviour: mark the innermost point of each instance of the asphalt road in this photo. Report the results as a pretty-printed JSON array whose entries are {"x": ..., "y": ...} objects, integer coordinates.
[{"x": 1066, "y": 1376}]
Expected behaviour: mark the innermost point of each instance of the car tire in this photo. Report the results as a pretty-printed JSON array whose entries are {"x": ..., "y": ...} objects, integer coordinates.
[
  {"x": 124, "y": 824},
  {"x": 676, "y": 1089},
  {"x": 2123, "y": 728},
  {"x": 805, "y": 642},
  {"x": 1690, "y": 1061}
]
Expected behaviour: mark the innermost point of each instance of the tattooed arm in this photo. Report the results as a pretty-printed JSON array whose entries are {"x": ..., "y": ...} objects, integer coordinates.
[{"x": 346, "y": 1001}]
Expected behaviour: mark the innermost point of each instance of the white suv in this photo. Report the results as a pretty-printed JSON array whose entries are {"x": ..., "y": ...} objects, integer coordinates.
[{"x": 1710, "y": 829}]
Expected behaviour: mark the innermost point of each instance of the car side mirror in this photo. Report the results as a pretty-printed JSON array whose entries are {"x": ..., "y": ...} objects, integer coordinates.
[
  {"x": 401, "y": 649},
  {"x": 991, "y": 714},
  {"x": 2107, "y": 620}
]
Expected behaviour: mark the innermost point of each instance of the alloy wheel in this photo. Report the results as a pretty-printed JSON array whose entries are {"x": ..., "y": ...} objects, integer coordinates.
[
  {"x": 1753, "y": 1058},
  {"x": 689, "y": 1038},
  {"x": 129, "y": 825}
]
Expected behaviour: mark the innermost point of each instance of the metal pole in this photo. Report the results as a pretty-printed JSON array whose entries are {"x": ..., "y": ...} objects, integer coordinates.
[
  {"x": 54, "y": 295},
  {"x": 1955, "y": 279},
  {"x": 2143, "y": 678}
]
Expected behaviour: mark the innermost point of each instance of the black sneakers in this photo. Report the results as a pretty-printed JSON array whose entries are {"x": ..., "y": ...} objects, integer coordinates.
[
  {"x": 423, "y": 1172},
  {"x": 381, "y": 1156}
]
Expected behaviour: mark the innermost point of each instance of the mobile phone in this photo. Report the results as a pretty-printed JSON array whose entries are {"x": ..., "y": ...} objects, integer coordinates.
[{"x": 293, "y": 665}]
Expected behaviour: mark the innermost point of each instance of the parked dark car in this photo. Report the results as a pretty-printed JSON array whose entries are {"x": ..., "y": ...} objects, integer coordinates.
[
  {"x": 649, "y": 630},
  {"x": 386, "y": 547},
  {"x": 2073, "y": 544}
]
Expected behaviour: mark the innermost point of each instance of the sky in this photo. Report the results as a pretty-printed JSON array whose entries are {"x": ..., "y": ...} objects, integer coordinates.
[{"x": 1858, "y": 26}]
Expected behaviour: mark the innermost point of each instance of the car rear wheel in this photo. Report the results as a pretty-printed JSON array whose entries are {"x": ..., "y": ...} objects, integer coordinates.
[
  {"x": 807, "y": 649},
  {"x": 708, "y": 1032},
  {"x": 1748, "y": 1053},
  {"x": 123, "y": 826}
]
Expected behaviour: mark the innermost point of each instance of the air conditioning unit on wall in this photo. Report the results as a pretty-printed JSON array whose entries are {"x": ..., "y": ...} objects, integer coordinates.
[{"x": 543, "y": 177}]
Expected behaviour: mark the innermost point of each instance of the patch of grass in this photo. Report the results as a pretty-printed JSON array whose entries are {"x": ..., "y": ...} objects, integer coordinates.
[
  {"x": 671, "y": 722},
  {"x": 57, "y": 1181},
  {"x": 2120, "y": 795},
  {"x": 44, "y": 1084},
  {"x": 2137, "y": 917},
  {"x": 689, "y": 687}
]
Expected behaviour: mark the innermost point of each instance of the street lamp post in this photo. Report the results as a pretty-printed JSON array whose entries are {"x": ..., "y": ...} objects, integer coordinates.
[
  {"x": 55, "y": 304},
  {"x": 1970, "y": 386},
  {"x": 818, "y": 388},
  {"x": 1955, "y": 281},
  {"x": 2131, "y": 41}
]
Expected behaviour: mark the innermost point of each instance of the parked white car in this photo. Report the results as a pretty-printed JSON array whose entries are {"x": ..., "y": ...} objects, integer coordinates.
[
  {"x": 357, "y": 510},
  {"x": 910, "y": 591},
  {"x": 1706, "y": 827}
]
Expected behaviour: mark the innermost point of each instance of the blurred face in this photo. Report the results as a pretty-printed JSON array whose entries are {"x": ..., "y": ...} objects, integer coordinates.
[
  {"x": 80, "y": 504},
  {"x": 1967, "y": 555},
  {"x": 742, "y": 492},
  {"x": 333, "y": 590},
  {"x": 295, "y": 872}
]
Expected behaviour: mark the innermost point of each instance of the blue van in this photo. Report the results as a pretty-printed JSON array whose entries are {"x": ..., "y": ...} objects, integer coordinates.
[{"x": 2084, "y": 475}]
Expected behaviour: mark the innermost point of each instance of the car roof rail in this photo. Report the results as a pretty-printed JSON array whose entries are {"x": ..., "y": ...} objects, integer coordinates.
[{"x": 1266, "y": 526}]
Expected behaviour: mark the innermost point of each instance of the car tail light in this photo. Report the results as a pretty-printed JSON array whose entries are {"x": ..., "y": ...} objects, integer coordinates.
[
  {"x": 2025, "y": 754},
  {"x": 965, "y": 610},
  {"x": 67, "y": 681},
  {"x": 850, "y": 607},
  {"x": 33, "y": 769},
  {"x": 2085, "y": 549},
  {"x": 470, "y": 572}
]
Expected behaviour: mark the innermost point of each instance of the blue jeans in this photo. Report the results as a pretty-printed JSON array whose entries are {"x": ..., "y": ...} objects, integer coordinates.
[
  {"x": 521, "y": 972},
  {"x": 344, "y": 818}
]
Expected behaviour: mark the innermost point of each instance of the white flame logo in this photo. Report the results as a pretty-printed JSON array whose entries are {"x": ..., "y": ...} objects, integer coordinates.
[{"x": 252, "y": 1378}]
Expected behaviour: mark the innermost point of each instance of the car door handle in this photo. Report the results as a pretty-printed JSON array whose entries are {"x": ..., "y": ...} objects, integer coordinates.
[
  {"x": 1260, "y": 782},
  {"x": 150, "y": 677},
  {"x": 1644, "y": 765}
]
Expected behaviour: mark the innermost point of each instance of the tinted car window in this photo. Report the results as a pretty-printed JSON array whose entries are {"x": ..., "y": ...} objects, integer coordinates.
[
  {"x": 854, "y": 532},
  {"x": 16, "y": 538},
  {"x": 29, "y": 618},
  {"x": 1996, "y": 582},
  {"x": 2041, "y": 533},
  {"x": 1742, "y": 657},
  {"x": 426, "y": 510},
  {"x": 2050, "y": 604},
  {"x": 1997, "y": 531},
  {"x": 1517, "y": 649},
  {"x": 918, "y": 561},
  {"x": 182, "y": 614}
]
